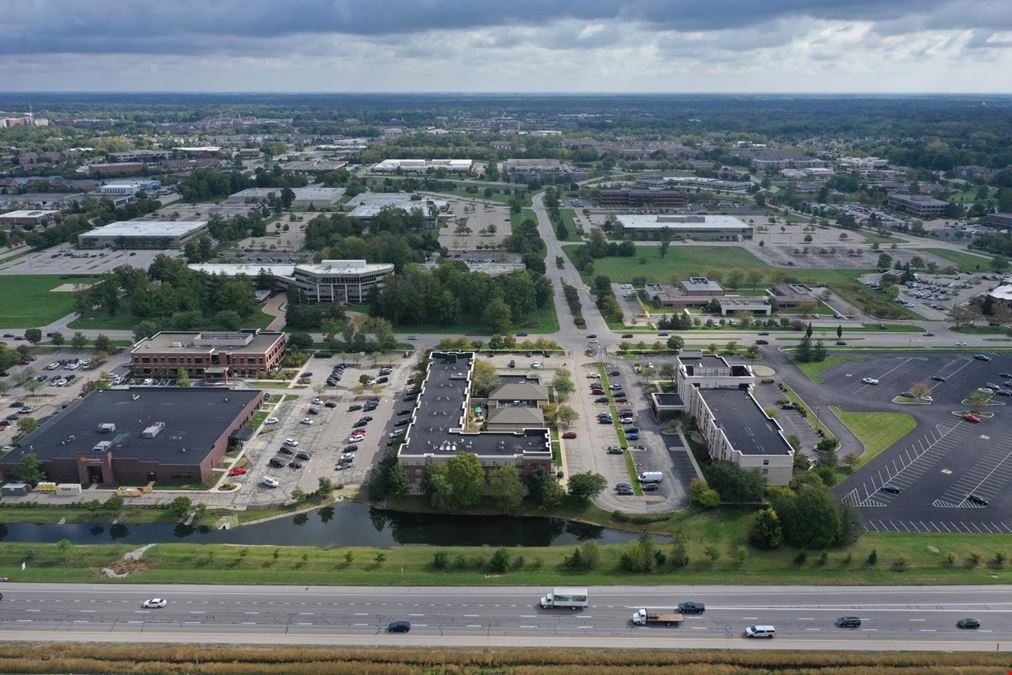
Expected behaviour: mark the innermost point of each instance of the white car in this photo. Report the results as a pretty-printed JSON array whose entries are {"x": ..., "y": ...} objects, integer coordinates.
[
  {"x": 960, "y": 344},
  {"x": 869, "y": 380},
  {"x": 154, "y": 603},
  {"x": 308, "y": 421},
  {"x": 268, "y": 481},
  {"x": 291, "y": 442},
  {"x": 317, "y": 401},
  {"x": 927, "y": 399},
  {"x": 536, "y": 364},
  {"x": 271, "y": 420}
]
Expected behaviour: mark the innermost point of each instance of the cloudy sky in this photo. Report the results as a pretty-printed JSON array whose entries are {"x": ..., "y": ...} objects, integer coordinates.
[{"x": 507, "y": 45}]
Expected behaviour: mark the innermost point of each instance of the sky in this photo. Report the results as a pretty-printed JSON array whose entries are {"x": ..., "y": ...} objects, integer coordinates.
[{"x": 879, "y": 46}]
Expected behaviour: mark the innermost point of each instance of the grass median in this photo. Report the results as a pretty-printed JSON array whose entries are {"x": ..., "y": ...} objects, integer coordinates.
[{"x": 877, "y": 431}]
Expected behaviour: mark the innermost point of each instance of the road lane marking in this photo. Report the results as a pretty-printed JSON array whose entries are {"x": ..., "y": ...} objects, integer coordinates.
[{"x": 473, "y": 625}]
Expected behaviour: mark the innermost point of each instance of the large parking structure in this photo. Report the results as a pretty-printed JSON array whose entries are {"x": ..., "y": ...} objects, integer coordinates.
[{"x": 949, "y": 474}]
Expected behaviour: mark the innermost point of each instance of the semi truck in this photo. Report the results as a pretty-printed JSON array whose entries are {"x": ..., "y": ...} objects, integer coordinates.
[
  {"x": 561, "y": 598},
  {"x": 642, "y": 617}
]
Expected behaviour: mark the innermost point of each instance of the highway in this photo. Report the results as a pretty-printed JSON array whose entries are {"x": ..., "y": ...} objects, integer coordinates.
[{"x": 893, "y": 618}]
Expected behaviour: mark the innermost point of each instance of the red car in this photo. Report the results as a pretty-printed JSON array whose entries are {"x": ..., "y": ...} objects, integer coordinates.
[
  {"x": 970, "y": 417},
  {"x": 237, "y": 472},
  {"x": 569, "y": 434}
]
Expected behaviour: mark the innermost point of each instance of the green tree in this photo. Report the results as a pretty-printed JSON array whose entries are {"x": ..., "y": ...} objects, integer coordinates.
[
  {"x": 563, "y": 384},
  {"x": 300, "y": 341},
  {"x": 145, "y": 329},
  {"x": 544, "y": 490},
  {"x": 26, "y": 425},
  {"x": 484, "y": 378},
  {"x": 813, "y": 519},
  {"x": 397, "y": 481},
  {"x": 103, "y": 343},
  {"x": 506, "y": 488},
  {"x": 587, "y": 485},
  {"x": 78, "y": 341},
  {"x": 182, "y": 378},
  {"x": 58, "y": 338},
  {"x": 498, "y": 316},
  {"x": 675, "y": 343},
  {"x": 65, "y": 548},
  {"x": 665, "y": 237},
  {"x": 734, "y": 484},
  {"x": 180, "y": 506},
  {"x": 702, "y": 495},
  {"x": 30, "y": 470},
  {"x": 456, "y": 484},
  {"x": 33, "y": 335},
  {"x": 765, "y": 531}
]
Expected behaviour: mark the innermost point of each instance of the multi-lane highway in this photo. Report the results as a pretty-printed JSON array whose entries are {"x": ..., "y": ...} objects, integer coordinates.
[{"x": 891, "y": 617}]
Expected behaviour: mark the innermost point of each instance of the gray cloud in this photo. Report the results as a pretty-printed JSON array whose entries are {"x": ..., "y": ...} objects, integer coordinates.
[{"x": 231, "y": 26}]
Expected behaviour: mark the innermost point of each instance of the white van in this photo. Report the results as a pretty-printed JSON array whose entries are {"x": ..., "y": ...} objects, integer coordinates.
[
  {"x": 270, "y": 482},
  {"x": 760, "y": 632},
  {"x": 651, "y": 477}
]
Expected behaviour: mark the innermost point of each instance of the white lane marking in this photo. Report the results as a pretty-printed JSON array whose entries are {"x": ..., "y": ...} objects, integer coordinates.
[
  {"x": 361, "y": 614},
  {"x": 416, "y": 615},
  {"x": 522, "y": 616},
  {"x": 359, "y": 624},
  {"x": 699, "y": 628},
  {"x": 918, "y": 619},
  {"x": 928, "y": 630},
  {"x": 805, "y": 618},
  {"x": 473, "y": 625}
]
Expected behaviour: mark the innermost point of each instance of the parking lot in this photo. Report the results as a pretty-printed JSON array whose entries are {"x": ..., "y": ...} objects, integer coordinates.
[
  {"x": 66, "y": 259},
  {"x": 949, "y": 474}
]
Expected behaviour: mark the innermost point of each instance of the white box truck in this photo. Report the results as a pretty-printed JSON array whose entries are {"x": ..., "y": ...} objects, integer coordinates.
[{"x": 573, "y": 598}]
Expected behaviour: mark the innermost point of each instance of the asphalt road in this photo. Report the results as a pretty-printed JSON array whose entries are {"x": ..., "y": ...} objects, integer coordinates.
[{"x": 893, "y": 618}]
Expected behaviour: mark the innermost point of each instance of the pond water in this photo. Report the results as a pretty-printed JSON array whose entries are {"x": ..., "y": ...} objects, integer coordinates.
[{"x": 345, "y": 524}]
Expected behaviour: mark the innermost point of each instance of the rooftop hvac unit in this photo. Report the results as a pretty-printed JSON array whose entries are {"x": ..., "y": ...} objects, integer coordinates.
[
  {"x": 102, "y": 446},
  {"x": 106, "y": 428},
  {"x": 178, "y": 345},
  {"x": 153, "y": 430}
]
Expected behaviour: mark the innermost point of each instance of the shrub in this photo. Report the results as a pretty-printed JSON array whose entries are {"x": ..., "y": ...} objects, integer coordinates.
[
  {"x": 950, "y": 559},
  {"x": 703, "y": 496},
  {"x": 973, "y": 559},
  {"x": 460, "y": 562},
  {"x": 679, "y": 555},
  {"x": 765, "y": 531},
  {"x": 823, "y": 559},
  {"x": 500, "y": 561},
  {"x": 901, "y": 564},
  {"x": 848, "y": 559},
  {"x": 712, "y": 554},
  {"x": 872, "y": 557},
  {"x": 998, "y": 560},
  {"x": 439, "y": 560},
  {"x": 800, "y": 558}
]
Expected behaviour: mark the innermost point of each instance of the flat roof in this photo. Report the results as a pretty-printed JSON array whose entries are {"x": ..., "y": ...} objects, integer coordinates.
[
  {"x": 249, "y": 269},
  {"x": 1003, "y": 292},
  {"x": 206, "y": 342},
  {"x": 343, "y": 267},
  {"x": 744, "y": 423},
  {"x": 922, "y": 200},
  {"x": 438, "y": 418},
  {"x": 146, "y": 228},
  {"x": 194, "y": 419},
  {"x": 701, "y": 284},
  {"x": 369, "y": 204},
  {"x": 649, "y": 221},
  {"x": 29, "y": 213}
]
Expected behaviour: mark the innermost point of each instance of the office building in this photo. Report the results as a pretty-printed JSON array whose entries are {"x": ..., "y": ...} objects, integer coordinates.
[
  {"x": 423, "y": 165},
  {"x": 639, "y": 198},
  {"x": 27, "y": 219},
  {"x": 998, "y": 220},
  {"x": 130, "y": 188},
  {"x": 699, "y": 228},
  {"x": 922, "y": 206},
  {"x": 304, "y": 197},
  {"x": 341, "y": 281},
  {"x": 138, "y": 435},
  {"x": 438, "y": 428},
  {"x": 143, "y": 234},
  {"x": 691, "y": 292},
  {"x": 730, "y": 420},
  {"x": 212, "y": 355},
  {"x": 367, "y": 205}
]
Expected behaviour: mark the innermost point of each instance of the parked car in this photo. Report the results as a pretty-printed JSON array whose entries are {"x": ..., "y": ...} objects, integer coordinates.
[
  {"x": 982, "y": 357},
  {"x": 869, "y": 380},
  {"x": 891, "y": 489},
  {"x": 237, "y": 472},
  {"x": 972, "y": 418},
  {"x": 615, "y": 450},
  {"x": 977, "y": 499},
  {"x": 569, "y": 434},
  {"x": 624, "y": 489},
  {"x": 632, "y": 437}
]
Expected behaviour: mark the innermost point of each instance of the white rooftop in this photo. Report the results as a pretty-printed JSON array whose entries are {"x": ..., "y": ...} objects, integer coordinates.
[
  {"x": 645, "y": 221},
  {"x": 147, "y": 228},
  {"x": 368, "y": 204},
  {"x": 29, "y": 213},
  {"x": 344, "y": 267},
  {"x": 1003, "y": 292},
  {"x": 423, "y": 164},
  {"x": 249, "y": 270}
]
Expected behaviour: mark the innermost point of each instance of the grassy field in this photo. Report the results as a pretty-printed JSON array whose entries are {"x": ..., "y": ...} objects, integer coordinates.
[
  {"x": 28, "y": 302},
  {"x": 967, "y": 262},
  {"x": 686, "y": 261},
  {"x": 814, "y": 369},
  {"x": 125, "y": 320},
  {"x": 525, "y": 214},
  {"x": 877, "y": 431},
  {"x": 60, "y": 657}
]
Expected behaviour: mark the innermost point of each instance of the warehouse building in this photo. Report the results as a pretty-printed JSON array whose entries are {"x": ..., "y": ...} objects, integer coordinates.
[
  {"x": 699, "y": 228},
  {"x": 138, "y": 435},
  {"x": 730, "y": 420},
  {"x": 437, "y": 429},
  {"x": 143, "y": 234},
  {"x": 423, "y": 165},
  {"x": 305, "y": 197},
  {"x": 367, "y": 205}
]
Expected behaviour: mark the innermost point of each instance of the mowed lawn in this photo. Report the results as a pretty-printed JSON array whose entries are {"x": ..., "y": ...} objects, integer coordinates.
[
  {"x": 877, "y": 431},
  {"x": 815, "y": 369},
  {"x": 684, "y": 260},
  {"x": 27, "y": 300},
  {"x": 967, "y": 262}
]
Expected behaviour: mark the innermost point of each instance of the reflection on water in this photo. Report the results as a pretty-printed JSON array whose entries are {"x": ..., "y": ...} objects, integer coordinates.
[{"x": 346, "y": 524}]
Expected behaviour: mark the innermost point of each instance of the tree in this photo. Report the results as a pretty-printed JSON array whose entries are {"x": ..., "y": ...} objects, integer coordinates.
[
  {"x": 563, "y": 384},
  {"x": 665, "y": 237},
  {"x": 640, "y": 557},
  {"x": 30, "y": 470},
  {"x": 498, "y": 316},
  {"x": 65, "y": 548},
  {"x": 58, "y": 339},
  {"x": 78, "y": 341},
  {"x": 702, "y": 495},
  {"x": 145, "y": 329},
  {"x": 27, "y": 425},
  {"x": 397, "y": 481},
  {"x": 466, "y": 479},
  {"x": 506, "y": 488},
  {"x": 33, "y": 335},
  {"x": 885, "y": 261},
  {"x": 180, "y": 506},
  {"x": 734, "y": 484},
  {"x": 544, "y": 490},
  {"x": 978, "y": 401},
  {"x": 839, "y": 332},
  {"x": 668, "y": 371},
  {"x": 484, "y": 378},
  {"x": 103, "y": 343},
  {"x": 565, "y": 416},
  {"x": 585, "y": 486},
  {"x": 675, "y": 343},
  {"x": 182, "y": 378},
  {"x": 300, "y": 341},
  {"x": 813, "y": 519},
  {"x": 765, "y": 531}
]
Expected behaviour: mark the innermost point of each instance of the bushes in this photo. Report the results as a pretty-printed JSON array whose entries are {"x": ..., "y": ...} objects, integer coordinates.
[
  {"x": 765, "y": 532},
  {"x": 703, "y": 496}
]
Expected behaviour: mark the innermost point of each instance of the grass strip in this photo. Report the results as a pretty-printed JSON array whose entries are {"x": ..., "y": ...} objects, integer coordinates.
[
  {"x": 877, "y": 431},
  {"x": 616, "y": 421}
]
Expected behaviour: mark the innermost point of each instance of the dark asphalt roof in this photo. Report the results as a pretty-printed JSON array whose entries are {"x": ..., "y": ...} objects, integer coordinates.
[
  {"x": 194, "y": 418},
  {"x": 744, "y": 423},
  {"x": 441, "y": 412}
]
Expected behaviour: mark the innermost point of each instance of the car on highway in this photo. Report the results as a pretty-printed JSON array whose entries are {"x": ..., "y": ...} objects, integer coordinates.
[
  {"x": 848, "y": 622},
  {"x": 237, "y": 472},
  {"x": 569, "y": 434},
  {"x": 762, "y": 342},
  {"x": 691, "y": 608},
  {"x": 869, "y": 380},
  {"x": 968, "y": 624},
  {"x": 154, "y": 603},
  {"x": 760, "y": 632},
  {"x": 398, "y": 626},
  {"x": 628, "y": 336},
  {"x": 960, "y": 344}
]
